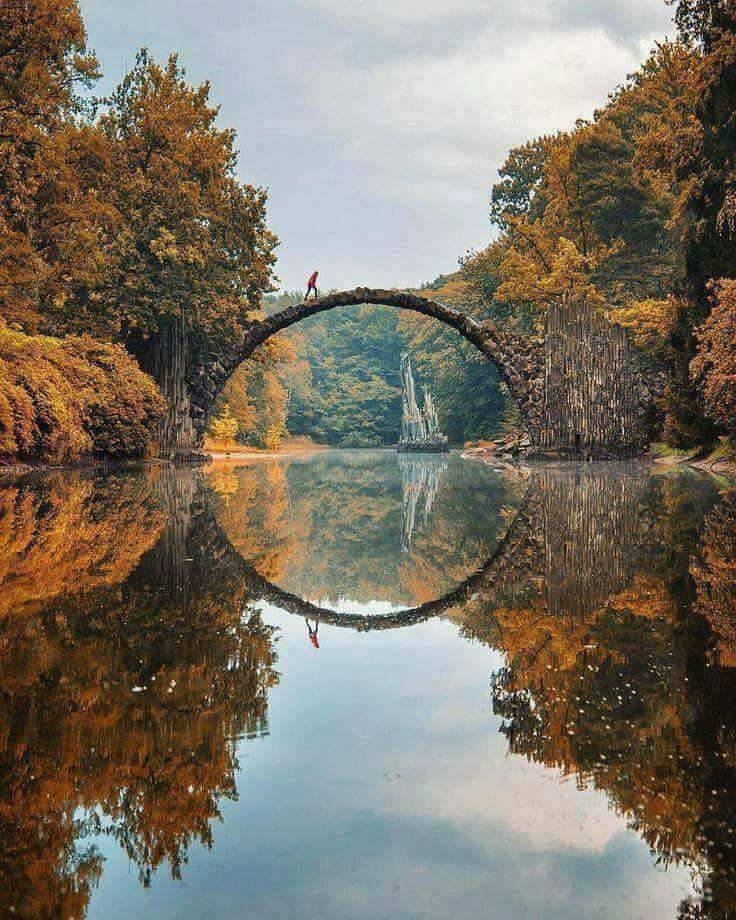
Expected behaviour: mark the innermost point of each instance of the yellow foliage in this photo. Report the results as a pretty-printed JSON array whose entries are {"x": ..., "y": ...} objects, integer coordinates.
[
  {"x": 541, "y": 268},
  {"x": 82, "y": 629},
  {"x": 66, "y": 399},
  {"x": 109, "y": 523},
  {"x": 224, "y": 427},
  {"x": 257, "y": 399},
  {"x": 651, "y": 321},
  {"x": 49, "y": 213},
  {"x": 714, "y": 366},
  {"x": 267, "y": 534}
]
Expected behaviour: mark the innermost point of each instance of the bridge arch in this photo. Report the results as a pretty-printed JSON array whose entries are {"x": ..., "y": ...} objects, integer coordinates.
[
  {"x": 582, "y": 389},
  {"x": 519, "y": 360},
  {"x": 291, "y": 603}
]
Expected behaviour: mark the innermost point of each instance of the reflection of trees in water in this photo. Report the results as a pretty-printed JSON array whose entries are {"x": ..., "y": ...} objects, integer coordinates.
[
  {"x": 331, "y": 529},
  {"x": 80, "y": 752},
  {"x": 613, "y": 604},
  {"x": 614, "y": 678},
  {"x": 420, "y": 479},
  {"x": 43, "y": 518},
  {"x": 714, "y": 573}
]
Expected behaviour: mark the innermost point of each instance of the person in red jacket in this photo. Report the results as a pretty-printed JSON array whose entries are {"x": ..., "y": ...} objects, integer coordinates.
[{"x": 312, "y": 285}]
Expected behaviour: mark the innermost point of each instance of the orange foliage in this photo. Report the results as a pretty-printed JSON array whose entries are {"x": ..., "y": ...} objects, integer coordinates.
[
  {"x": 254, "y": 509},
  {"x": 714, "y": 572},
  {"x": 39, "y": 525},
  {"x": 63, "y": 400},
  {"x": 81, "y": 752},
  {"x": 48, "y": 218},
  {"x": 257, "y": 398},
  {"x": 714, "y": 366}
]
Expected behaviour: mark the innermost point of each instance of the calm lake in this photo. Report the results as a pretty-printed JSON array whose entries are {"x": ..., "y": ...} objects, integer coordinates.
[{"x": 365, "y": 685}]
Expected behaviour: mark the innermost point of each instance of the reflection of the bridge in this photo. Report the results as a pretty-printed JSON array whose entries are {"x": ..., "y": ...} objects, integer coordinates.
[
  {"x": 611, "y": 596},
  {"x": 576, "y": 539},
  {"x": 330, "y": 530}
]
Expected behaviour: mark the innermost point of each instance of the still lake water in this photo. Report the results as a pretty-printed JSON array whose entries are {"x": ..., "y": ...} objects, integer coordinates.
[{"x": 356, "y": 685}]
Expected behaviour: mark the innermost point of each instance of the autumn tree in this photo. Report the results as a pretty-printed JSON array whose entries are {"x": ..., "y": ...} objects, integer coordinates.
[
  {"x": 701, "y": 154},
  {"x": 193, "y": 254},
  {"x": 583, "y": 217},
  {"x": 52, "y": 221},
  {"x": 257, "y": 396},
  {"x": 598, "y": 214},
  {"x": 224, "y": 427},
  {"x": 194, "y": 240},
  {"x": 714, "y": 366}
]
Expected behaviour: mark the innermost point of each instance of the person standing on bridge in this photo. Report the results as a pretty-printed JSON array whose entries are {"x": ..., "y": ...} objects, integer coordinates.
[{"x": 312, "y": 285}]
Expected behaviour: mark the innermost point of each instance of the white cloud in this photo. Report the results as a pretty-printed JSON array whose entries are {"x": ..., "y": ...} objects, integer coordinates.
[
  {"x": 382, "y": 14},
  {"x": 436, "y": 125},
  {"x": 378, "y": 125},
  {"x": 626, "y": 19}
]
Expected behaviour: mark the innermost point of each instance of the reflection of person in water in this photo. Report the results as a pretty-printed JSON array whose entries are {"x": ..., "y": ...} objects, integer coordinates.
[{"x": 313, "y": 632}]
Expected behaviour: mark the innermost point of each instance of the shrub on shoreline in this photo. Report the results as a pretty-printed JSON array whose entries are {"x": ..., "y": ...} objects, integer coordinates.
[{"x": 71, "y": 399}]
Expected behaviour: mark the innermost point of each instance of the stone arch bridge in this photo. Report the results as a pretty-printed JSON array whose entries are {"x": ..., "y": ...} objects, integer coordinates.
[{"x": 580, "y": 387}]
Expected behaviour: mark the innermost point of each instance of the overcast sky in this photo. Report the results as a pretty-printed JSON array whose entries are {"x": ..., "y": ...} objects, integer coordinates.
[{"x": 378, "y": 126}]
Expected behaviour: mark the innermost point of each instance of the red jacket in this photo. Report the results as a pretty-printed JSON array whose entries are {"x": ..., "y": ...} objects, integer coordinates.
[{"x": 313, "y": 280}]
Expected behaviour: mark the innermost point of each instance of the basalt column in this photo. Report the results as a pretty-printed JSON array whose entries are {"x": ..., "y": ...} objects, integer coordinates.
[
  {"x": 166, "y": 357},
  {"x": 595, "y": 395}
]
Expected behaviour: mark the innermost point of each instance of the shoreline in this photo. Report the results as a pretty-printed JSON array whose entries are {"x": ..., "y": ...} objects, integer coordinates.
[
  {"x": 716, "y": 465},
  {"x": 13, "y": 470},
  {"x": 24, "y": 469},
  {"x": 220, "y": 456},
  {"x": 719, "y": 466}
]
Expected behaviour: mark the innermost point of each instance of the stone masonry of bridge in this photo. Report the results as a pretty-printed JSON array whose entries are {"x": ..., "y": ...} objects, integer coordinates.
[{"x": 580, "y": 388}]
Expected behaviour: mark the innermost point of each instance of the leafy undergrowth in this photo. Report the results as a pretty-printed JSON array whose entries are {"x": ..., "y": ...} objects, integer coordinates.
[
  {"x": 295, "y": 445},
  {"x": 663, "y": 451},
  {"x": 70, "y": 399}
]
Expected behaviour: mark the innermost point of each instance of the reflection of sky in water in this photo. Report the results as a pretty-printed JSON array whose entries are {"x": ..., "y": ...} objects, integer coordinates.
[
  {"x": 385, "y": 790},
  {"x": 365, "y": 774},
  {"x": 361, "y": 608}
]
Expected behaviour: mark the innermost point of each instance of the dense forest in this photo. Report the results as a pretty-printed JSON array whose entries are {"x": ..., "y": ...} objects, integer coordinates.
[
  {"x": 123, "y": 218},
  {"x": 120, "y": 217}
]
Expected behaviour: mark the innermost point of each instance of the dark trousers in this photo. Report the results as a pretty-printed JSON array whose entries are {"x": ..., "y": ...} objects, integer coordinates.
[{"x": 311, "y": 288}]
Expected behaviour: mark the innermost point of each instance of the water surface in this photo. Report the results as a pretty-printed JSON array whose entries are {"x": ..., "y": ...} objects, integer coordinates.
[{"x": 356, "y": 685}]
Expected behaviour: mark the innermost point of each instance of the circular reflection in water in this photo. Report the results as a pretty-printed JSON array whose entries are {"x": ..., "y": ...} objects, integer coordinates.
[{"x": 365, "y": 533}]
